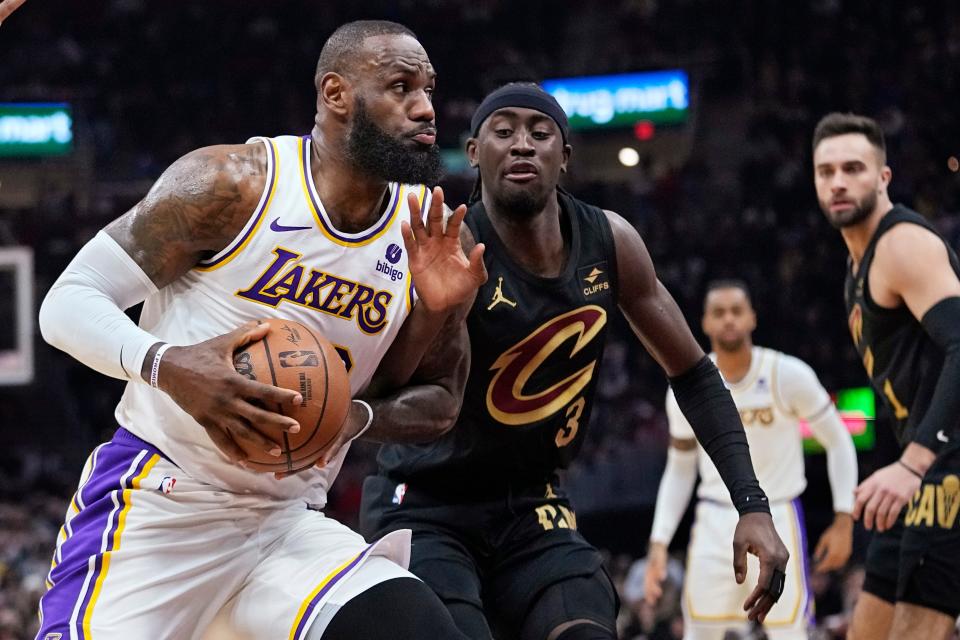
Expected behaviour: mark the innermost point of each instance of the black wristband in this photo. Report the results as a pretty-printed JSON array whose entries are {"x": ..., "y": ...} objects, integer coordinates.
[{"x": 708, "y": 407}]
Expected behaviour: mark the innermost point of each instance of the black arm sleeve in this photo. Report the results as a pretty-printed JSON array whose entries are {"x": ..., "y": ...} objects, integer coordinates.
[
  {"x": 942, "y": 324},
  {"x": 709, "y": 409}
]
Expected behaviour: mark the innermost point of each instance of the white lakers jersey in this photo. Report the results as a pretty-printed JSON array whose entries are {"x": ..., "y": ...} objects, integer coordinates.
[
  {"x": 777, "y": 392},
  {"x": 288, "y": 262}
]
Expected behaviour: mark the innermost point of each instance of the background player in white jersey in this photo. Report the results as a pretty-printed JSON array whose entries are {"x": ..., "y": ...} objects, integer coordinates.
[
  {"x": 773, "y": 392},
  {"x": 167, "y": 528}
]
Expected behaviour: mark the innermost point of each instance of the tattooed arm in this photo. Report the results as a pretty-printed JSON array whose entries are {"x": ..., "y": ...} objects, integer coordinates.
[{"x": 196, "y": 207}]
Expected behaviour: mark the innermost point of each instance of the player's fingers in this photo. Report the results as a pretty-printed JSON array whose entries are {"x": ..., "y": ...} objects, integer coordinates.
[
  {"x": 409, "y": 240},
  {"x": 740, "y": 561},
  {"x": 267, "y": 394},
  {"x": 820, "y": 554},
  {"x": 762, "y": 608},
  {"x": 652, "y": 592},
  {"x": 266, "y": 420},
  {"x": 477, "y": 266},
  {"x": 435, "y": 214},
  {"x": 416, "y": 221},
  {"x": 454, "y": 222},
  {"x": 870, "y": 511},
  {"x": 245, "y": 334},
  {"x": 413, "y": 202},
  {"x": 887, "y": 512},
  {"x": 226, "y": 444},
  {"x": 863, "y": 494},
  {"x": 753, "y": 598},
  {"x": 240, "y": 430}
]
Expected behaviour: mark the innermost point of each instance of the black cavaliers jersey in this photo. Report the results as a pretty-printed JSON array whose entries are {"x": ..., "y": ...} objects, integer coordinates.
[
  {"x": 536, "y": 348},
  {"x": 902, "y": 361}
]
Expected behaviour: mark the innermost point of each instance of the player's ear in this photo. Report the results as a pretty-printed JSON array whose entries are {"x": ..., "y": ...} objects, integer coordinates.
[
  {"x": 886, "y": 175},
  {"x": 567, "y": 150},
  {"x": 334, "y": 93},
  {"x": 473, "y": 155}
]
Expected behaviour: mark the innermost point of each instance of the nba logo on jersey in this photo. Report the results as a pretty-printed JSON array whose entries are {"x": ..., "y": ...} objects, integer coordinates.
[
  {"x": 762, "y": 385},
  {"x": 399, "y": 492},
  {"x": 53, "y": 636},
  {"x": 167, "y": 484}
]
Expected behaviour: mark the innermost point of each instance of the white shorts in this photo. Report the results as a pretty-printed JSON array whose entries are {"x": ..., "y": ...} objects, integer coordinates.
[
  {"x": 712, "y": 599},
  {"x": 148, "y": 552}
]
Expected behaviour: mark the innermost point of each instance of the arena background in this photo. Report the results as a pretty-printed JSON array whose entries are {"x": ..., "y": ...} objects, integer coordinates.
[{"x": 727, "y": 193}]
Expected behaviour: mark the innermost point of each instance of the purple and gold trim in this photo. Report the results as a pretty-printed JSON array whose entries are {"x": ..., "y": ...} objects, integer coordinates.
[
  {"x": 320, "y": 215},
  {"x": 302, "y": 621},
  {"x": 808, "y": 604},
  {"x": 273, "y": 170},
  {"x": 91, "y": 536}
]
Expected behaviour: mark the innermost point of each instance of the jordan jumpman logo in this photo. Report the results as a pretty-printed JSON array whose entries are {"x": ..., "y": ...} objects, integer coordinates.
[{"x": 498, "y": 296}]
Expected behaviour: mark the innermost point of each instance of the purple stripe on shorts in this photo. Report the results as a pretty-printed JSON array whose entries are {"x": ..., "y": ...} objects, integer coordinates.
[
  {"x": 114, "y": 461},
  {"x": 804, "y": 560},
  {"x": 308, "y": 613}
]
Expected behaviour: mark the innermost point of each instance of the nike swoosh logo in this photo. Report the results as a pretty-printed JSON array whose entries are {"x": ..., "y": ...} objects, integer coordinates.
[
  {"x": 276, "y": 226},
  {"x": 942, "y": 437}
]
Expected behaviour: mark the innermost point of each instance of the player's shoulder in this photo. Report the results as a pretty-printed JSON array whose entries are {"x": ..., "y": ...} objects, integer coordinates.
[
  {"x": 787, "y": 364},
  {"x": 223, "y": 167},
  {"x": 904, "y": 242}
]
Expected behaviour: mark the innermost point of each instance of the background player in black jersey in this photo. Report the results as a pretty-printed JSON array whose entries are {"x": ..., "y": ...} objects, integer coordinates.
[
  {"x": 494, "y": 534},
  {"x": 903, "y": 305}
]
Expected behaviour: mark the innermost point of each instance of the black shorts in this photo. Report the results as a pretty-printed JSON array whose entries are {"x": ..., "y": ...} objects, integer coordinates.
[
  {"x": 500, "y": 555},
  {"x": 918, "y": 560},
  {"x": 930, "y": 550}
]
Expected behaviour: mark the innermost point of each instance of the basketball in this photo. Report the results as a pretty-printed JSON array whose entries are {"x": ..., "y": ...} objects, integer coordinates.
[{"x": 292, "y": 356}]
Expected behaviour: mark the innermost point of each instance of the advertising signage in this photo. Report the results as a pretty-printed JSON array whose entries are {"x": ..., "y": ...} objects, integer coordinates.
[
  {"x": 621, "y": 101},
  {"x": 35, "y": 129}
]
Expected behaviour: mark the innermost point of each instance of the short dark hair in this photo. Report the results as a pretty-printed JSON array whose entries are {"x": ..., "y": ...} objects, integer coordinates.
[
  {"x": 727, "y": 283},
  {"x": 338, "y": 50},
  {"x": 838, "y": 124}
]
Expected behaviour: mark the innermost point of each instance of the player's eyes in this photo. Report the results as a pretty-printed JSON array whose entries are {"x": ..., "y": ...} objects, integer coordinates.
[
  {"x": 503, "y": 132},
  {"x": 541, "y": 135}
]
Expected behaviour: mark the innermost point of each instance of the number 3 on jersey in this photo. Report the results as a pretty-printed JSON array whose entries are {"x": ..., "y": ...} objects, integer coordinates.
[{"x": 568, "y": 432}]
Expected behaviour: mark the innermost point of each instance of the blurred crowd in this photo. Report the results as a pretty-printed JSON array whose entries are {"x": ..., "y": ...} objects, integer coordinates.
[{"x": 150, "y": 81}]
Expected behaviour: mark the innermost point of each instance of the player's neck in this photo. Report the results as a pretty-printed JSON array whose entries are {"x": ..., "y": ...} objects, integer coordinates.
[
  {"x": 857, "y": 237},
  {"x": 535, "y": 242},
  {"x": 352, "y": 200},
  {"x": 734, "y": 365}
]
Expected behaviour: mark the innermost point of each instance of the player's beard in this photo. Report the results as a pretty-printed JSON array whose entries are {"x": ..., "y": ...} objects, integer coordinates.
[
  {"x": 854, "y": 216},
  {"x": 731, "y": 345},
  {"x": 520, "y": 203},
  {"x": 379, "y": 154}
]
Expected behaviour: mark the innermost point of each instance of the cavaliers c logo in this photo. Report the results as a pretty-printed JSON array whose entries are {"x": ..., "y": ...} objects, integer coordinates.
[{"x": 506, "y": 400}]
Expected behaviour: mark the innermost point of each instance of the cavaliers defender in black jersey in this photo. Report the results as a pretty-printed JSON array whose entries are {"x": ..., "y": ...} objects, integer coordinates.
[
  {"x": 903, "y": 305},
  {"x": 494, "y": 534}
]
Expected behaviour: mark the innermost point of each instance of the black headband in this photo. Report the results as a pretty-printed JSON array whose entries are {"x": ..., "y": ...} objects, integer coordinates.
[{"x": 528, "y": 96}]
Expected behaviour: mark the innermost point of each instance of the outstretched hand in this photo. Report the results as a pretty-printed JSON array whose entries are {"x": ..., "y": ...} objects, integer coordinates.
[
  {"x": 755, "y": 534},
  {"x": 443, "y": 276}
]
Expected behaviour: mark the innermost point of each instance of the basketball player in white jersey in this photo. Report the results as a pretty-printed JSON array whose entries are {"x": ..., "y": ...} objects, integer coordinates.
[
  {"x": 773, "y": 392},
  {"x": 168, "y": 529}
]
